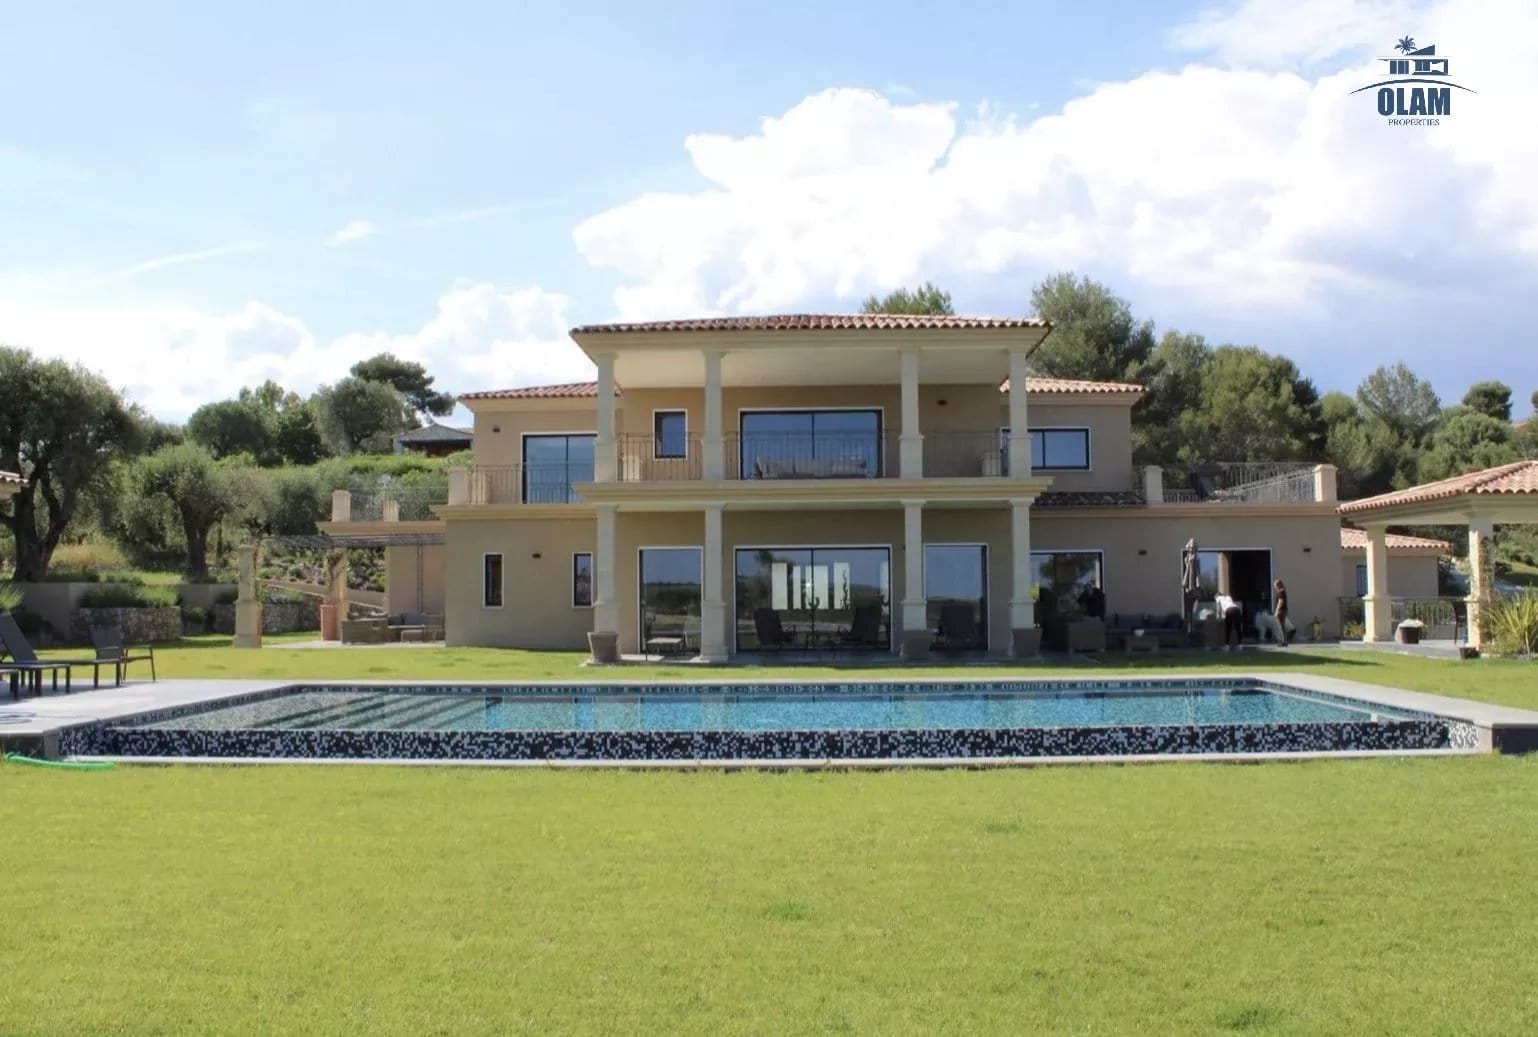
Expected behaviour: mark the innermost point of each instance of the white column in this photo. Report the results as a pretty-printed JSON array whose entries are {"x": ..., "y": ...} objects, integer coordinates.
[
  {"x": 1481, "y": 538},
  {"x": 713, "y": 647},
  {"x": 1019, "y": 420},
  {"x": 714, "y": 444},
  {"x": 911, "y": 442},
  {"x": 1324, "y": 483},
  {"x": 1153, "y": 484},
  {"x": 1378, "y": 608},
  {"x": 915, "y": 624},
  {"x": 248, "y": 603},
  {"x": 459, "y": 486},
  {"x": 605, "y": 464},
  {"x": 605, "y": 600},
  {"x": 341, "y": 506},
  {"x": 1025, "y": 639}
]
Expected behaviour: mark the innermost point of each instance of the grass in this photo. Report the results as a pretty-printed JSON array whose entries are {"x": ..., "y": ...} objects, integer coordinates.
[
  {"x": 1361, "y": 897},
  {"x": 1508, "y": 682}
]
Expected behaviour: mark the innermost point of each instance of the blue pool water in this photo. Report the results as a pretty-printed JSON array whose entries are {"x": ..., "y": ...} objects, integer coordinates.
[{"x": 543, "y": 710}]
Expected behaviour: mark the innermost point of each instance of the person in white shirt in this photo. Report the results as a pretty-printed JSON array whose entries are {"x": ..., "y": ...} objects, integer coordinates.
[{"x": 1233, "y": 621}]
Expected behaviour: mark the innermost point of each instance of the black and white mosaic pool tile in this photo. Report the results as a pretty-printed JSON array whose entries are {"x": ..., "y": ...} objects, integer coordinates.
[
  {"x": 1461, "y": 735},
  {"x": 765, "y": 745}
]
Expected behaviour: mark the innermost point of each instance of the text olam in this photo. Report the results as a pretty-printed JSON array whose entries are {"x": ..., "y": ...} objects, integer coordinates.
[{"x": 1421, "y": 100}]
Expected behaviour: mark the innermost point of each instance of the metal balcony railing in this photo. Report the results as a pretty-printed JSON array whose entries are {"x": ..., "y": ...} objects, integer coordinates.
[
  {"x": 1250, "y": 482},
  {"x": 652, "y": 458},
  {"x": 527, "y": 484},
  {"x": 795, "y": 455},
  {"x": 956, "y": 455},
  {"x": 411, "y": 503}
]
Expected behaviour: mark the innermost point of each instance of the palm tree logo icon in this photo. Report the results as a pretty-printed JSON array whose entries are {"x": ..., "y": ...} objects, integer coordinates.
[{"x": 1405, "y": 44}]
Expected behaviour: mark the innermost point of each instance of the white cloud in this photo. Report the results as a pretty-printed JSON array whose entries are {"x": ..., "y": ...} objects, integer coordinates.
[
  {"x": 172, "y": 358},
  {"x": 1260, "y": 192},
  {"x": 182, "y": 258},
  {"x": 356, "y": 230}
]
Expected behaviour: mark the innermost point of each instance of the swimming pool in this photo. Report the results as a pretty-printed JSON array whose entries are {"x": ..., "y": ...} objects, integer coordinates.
[{"x": 770, "y": 722}]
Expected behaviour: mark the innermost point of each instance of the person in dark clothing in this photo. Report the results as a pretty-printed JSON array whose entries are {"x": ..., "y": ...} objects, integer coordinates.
[
  {"x": 1233, "y": 621},
  {"x": 1279, "y": 608}
]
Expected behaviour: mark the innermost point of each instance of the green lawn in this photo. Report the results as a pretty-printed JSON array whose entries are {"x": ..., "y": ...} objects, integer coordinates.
[
  {"x": 1334, "y": 897},
  {"x": 1513, "y": 683}
]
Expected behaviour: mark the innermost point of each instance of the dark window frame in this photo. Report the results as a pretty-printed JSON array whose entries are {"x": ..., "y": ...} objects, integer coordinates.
[
  {"x": 575, "y": 557},
  {"x": 658, "y": 450},
  {"x": 486, "y": 581}
]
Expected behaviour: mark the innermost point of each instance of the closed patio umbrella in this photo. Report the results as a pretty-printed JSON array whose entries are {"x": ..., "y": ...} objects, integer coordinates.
[{"x": 1190, "y": 581}]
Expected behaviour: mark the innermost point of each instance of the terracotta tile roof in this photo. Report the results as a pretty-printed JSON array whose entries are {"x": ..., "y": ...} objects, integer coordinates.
[
  {"x": 1517, "y": 478},
  {"x": 575, "y": 390},
  {"x": 815, "y": 322},
  {"x": 1074, "y": 385},
  {"x": 1356, "y": 540},
  {"x": 571, "y": 390}
]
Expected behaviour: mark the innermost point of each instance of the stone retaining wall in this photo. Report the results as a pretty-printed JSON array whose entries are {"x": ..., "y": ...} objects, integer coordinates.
[
  {"x": 283, "y": 617},
  {"x": 139, "y": 625}
]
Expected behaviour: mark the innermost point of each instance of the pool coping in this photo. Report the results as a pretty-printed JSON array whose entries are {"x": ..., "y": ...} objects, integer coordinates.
[{"x": 35, "y": 725}]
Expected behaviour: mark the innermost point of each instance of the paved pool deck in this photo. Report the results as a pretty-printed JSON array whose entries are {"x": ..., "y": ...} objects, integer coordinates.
[{"x": 32, "y": 725}]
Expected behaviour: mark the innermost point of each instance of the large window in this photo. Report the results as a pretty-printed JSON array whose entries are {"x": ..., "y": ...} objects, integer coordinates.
[
  {"x": 491, "y": 581},
  {"x": 551, "y": 463},
  {"x": 670, "y": 430},
  {"x": 670, "y": 598},
  {"x": 956, "y": 595},
  {"x": 1060, "y": 581},
  {"x": 1053, "y": 449},
  {"x": 813, "y": 597},
  {"x": 1361, "y": 581},
  {"x": 821, "y": 444},
  {"x": 582, "y": 580}
]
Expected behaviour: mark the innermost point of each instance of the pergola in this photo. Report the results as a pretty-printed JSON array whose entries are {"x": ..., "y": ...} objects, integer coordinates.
[
  {"x": 10, "y": 484},
  {"x": 1479, "y": 500}
]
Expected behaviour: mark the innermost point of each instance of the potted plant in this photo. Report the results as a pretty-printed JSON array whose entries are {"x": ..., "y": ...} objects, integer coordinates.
[{"x": 1409, "y": 632}]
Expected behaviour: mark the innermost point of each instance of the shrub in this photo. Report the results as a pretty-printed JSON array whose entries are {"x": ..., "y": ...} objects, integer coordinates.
[
  {"x": 127, "y": 595},
  {"x": 91, "y": 556},
  {"x": 30, "y": 623},
  {"x": 10, "y": 597},
  {"x": 1511, "y": 624},
  {"x": 226, "y": 597}
]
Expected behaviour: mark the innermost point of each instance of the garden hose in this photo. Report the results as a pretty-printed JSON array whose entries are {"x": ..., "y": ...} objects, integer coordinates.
[{"x": 63, "y": 765}]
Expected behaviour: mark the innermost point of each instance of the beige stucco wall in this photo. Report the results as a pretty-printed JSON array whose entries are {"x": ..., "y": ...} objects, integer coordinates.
[
  {"x": 1409, "y": 576},
  {"x": 945, "y": 410},
  {"x": 537, "y": 611},
  {"x": 404, "y": 592},
  {"x": 1150, "y": 582}
]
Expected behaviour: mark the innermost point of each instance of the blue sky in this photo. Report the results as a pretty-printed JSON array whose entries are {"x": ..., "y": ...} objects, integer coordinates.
[{"x": 193, "y": 198}]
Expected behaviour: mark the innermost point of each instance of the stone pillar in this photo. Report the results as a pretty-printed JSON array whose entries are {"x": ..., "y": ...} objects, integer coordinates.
[
  {"x": 341, "y": 506},
  {"x": 713, "y": 646},
  {"x": 1019, "y": 419},
  {"x": 1324, "y": 483},
  {"x": 1153, "y": 484},
  {"x": 1378, "y": 608},
  {"x": 390, "y": 511},
  {"x": 915, "y": 639},
  {"x": 603, "y": 640},
  {"x": 1024, "y": 636},
  {"x": 459, "y": 486},
  {"x": 1481, "y": 538},
  {"x": 248, "y": 604},
  {"x": 911, "y": 442},
  {"x": 605, "y": 459},
  {"x": 714, "y": 452}
]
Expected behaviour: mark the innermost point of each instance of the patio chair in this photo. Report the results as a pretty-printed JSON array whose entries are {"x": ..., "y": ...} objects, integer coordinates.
[
  {"x": 864, "y": 626},
  {"x": 958, "y": 626},
  {"x": 108, "y": 641},
  {"x": 771, "y": 634},
  {"x": 25, "y": 663}
]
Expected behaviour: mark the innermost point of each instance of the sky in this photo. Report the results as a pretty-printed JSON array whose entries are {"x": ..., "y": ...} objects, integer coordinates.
[{"x": 196, "y": 197}]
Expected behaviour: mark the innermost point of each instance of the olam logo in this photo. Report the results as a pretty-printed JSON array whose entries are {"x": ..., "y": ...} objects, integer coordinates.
[{"x": 1418, "y": 92}]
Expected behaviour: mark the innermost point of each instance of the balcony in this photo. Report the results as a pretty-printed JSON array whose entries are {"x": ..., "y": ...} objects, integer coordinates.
[
  {"x": 521, "y": 484},
  {"x": 1245, "y": 482},
  {"x": 390, "y": 503}
]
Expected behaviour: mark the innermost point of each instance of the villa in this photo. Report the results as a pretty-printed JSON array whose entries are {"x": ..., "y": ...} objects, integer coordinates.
[{"x": 869, "y": 482}]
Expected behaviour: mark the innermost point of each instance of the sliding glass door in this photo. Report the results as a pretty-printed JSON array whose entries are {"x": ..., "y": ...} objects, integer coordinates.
[
  {"x": 812, "y": 444},
  {"x": 670, "y": 599},
  {"x": 813, "y": 598},
  {"x": 956, "y": 595},
  {"x": 551, "y": 463}
]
